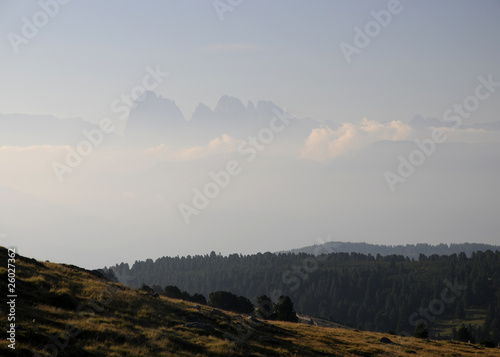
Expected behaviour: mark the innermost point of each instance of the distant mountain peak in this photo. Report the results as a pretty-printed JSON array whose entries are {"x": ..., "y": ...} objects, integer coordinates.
[
  {"x": 230, "y": 107},
  {"x": 156, "y": 119},
  {"x": 251, "y": 110},
  {"x": 202, "y": 112},
  {"x": 152, "y": 103}
]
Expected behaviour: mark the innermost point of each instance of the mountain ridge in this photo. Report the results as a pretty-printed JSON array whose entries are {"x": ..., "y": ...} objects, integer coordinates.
[{"x": 408, "y": 250}]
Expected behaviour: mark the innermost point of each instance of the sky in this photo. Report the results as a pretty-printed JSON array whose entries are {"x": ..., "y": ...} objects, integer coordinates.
[
  {"x": 286, "y": 51},
  {"x": 342, "y": 176}
]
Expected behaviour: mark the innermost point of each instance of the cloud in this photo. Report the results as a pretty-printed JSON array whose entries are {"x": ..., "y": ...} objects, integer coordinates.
[
  {"x": 28, "y": 169},
  {"x": 471, "y": 135},
  {"x": 232, "y": 46},
  {"x": 220, "y": 145},
  {"x": 421, "y": 123},
  {"x": 326, "y": 143}
]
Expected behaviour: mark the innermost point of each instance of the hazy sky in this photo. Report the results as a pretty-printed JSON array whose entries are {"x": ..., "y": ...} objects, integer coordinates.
[
  {"x": 345, "y": 175},
  {"x": 287, "y": 51}
]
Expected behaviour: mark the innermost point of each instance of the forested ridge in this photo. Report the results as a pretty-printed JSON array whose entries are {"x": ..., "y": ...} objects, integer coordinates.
[
  {"x": 408, "y": 250},
  {"x": 379, "y": 293}
]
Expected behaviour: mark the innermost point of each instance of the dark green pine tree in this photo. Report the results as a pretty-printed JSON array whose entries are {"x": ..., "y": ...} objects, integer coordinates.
[
  {"x": 284, "y": 310},
  {"x": 265, "y": 307},
  {"x": 147, "y": 289},
  {"x": 173, "y": 292},
  {"x": 464, "y": 334},
  {"x": 421, "y": 330}
]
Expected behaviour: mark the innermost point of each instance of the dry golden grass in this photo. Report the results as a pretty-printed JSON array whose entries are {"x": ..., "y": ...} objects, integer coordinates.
[{"x": 80, "y": 314}]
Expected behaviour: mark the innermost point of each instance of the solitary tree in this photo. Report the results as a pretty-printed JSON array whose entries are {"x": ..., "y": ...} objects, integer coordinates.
[
  {"x": 464, "y": 335},
  {"x": 421, "y": 330},
  {"x": 228, "y": 301},
  {"x": 284, "y": 310},
  {"x": 199, "y": 298},
  {"x": 265, "y": 307},
  {"x": 147, "y": 289},
  {"x": 173, "y": 292}
]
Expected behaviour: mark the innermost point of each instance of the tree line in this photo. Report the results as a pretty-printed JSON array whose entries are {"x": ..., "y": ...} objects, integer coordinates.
[
  {"x": 378, "y": 293},
  {"x": 282, "y": 310},
  {"x": 408, "y": 250}
]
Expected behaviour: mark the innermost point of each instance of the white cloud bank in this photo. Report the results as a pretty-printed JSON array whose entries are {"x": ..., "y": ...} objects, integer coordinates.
[
  {"x": 220, "y": 145},
  {"x": 326, "y": 143}
]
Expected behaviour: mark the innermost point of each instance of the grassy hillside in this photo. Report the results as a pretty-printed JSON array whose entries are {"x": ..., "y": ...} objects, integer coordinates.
[
  {"x": 64, "y": 310},
  {"x": 367, "y": 292}
]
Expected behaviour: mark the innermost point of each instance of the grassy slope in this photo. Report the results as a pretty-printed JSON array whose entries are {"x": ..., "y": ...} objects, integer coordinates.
[{"x": 90, "y": 316}]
